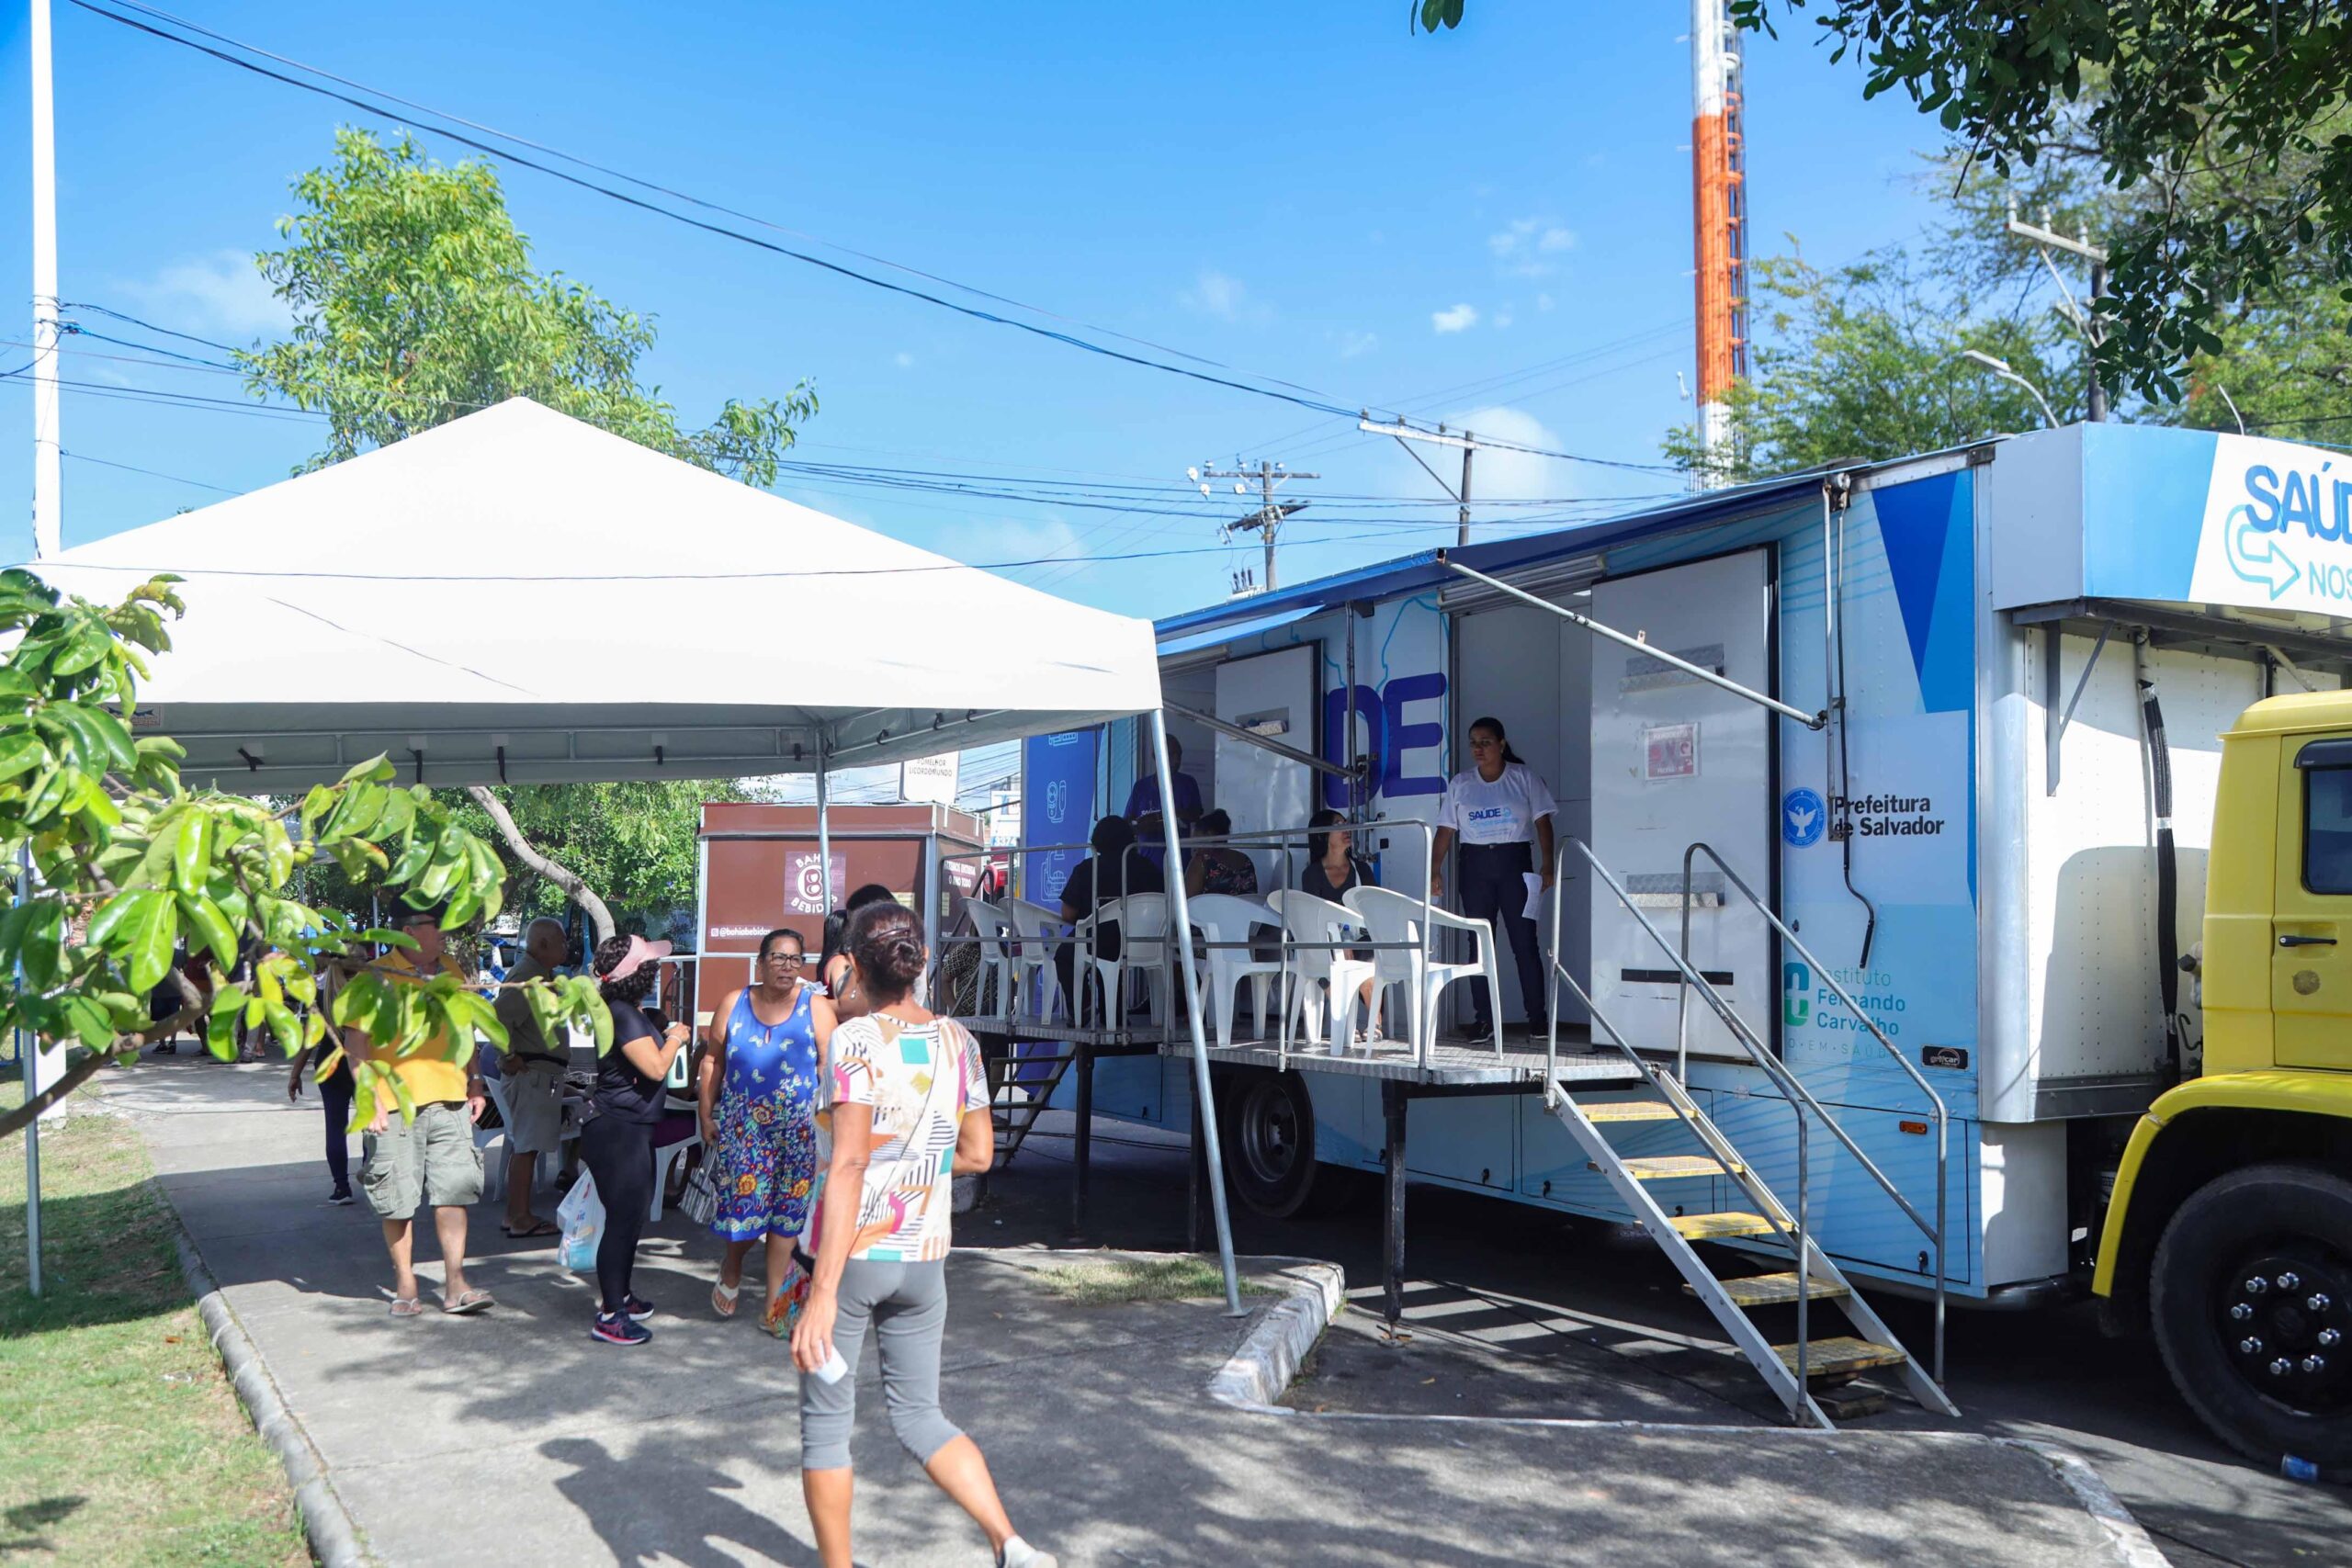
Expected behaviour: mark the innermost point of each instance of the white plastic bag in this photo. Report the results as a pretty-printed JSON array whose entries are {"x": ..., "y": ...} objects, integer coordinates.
[{"x": 581, "y": 1216}]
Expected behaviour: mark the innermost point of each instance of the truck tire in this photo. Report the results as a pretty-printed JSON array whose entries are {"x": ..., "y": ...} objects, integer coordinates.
[
  {"x": 2251, "y": 1296},
  {"x": 1266, "y": 1123}
]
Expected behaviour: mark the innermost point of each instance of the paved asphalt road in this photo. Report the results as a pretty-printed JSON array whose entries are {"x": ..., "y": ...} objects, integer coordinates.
[{"x": 1515, "y": 1310}]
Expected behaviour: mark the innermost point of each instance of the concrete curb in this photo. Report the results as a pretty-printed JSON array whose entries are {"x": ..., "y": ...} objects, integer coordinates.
[
  {"x": 328, "y": 1523},
  {"x": 2132, "y": 1547},
  {"x": 1257, "y": 1373}
]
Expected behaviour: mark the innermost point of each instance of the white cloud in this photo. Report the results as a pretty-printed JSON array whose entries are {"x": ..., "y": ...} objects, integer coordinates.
[
  {"x": 1543, "y": 302},
  {"x": 223, "y": 292},
  {"x": 902, "y": 360},
  {"x": 1353, "y": 344},
  {"x": 1460, "y": 318},
  {"x": 1221, "y": 295},
  {"x": 1502, "y": 319},
  {"x": 1520, "y": 248},
  {"x": 1503, "y": 475}
]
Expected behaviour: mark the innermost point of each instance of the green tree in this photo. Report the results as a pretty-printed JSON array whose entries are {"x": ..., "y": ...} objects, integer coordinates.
[
  {"x": 122, "y": 864},
  {"x": 415, "y": 303},
  {"x": 631, "y": 842},
  {"x": 2222, "y": 126},
  {"x": 1865, "y": 362}
]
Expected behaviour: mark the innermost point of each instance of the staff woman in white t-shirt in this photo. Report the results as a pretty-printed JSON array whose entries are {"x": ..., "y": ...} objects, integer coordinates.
[{"x": 1501, "y": 813}]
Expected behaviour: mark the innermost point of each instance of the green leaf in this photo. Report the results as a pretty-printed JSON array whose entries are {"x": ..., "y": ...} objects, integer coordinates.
[
  {"x": 285, "y": 1026},
  {"x": 192, "y": 852},
  {"x": 91, "y": 1022},
  {"x": 44, "y": 935},
  {"x": 21, "y": 753},
  {"x": 207, "y": 926}
]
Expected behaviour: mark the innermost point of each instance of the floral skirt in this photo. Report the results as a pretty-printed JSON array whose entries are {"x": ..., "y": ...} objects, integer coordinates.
[{"x": 766, "y": 1162}]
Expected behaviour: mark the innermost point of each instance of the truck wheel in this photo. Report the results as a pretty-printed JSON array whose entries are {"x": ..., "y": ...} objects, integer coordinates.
[
  {"x": 1266, "y": 1122},
  {"x": 2251, "y": 1296}
]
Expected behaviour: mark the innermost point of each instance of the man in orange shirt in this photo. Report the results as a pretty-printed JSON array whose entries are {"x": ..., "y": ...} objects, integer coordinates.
[{"x": 433, "y": 1159}]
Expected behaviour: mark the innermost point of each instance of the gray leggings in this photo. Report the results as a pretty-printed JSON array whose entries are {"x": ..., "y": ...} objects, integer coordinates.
[{"x": 907, "y": 1305}]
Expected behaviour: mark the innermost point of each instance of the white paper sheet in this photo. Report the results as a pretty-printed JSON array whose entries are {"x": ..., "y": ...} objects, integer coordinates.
[{"x": 1538, "y": 907}]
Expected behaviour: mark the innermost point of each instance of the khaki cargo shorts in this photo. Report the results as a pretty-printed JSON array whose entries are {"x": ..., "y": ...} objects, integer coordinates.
[
  {"x": 534, "y": 1093},
  {"x": 431, "y": 1160}
]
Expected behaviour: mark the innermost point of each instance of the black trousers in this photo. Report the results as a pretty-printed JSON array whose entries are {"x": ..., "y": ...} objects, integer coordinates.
[
  {"x": 1493, "y": 890},
  {"x": 620, "y": 1155},
  {"x": 335, "y": 1099}
]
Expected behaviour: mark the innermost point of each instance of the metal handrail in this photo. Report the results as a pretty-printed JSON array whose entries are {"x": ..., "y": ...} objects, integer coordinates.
[
  {"x": 1740, "y": 1031},
  {"x": 1942, "y": 1115}
]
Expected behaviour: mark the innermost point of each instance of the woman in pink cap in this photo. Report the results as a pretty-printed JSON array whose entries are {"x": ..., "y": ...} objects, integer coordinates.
[{"x": 616, "y": 1143}]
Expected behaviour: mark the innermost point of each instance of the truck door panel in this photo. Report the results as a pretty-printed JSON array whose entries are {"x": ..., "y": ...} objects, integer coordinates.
[{"x": 2310, "y": 953}]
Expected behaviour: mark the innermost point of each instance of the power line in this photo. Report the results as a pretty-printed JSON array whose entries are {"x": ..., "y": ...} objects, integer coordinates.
[
  {"x": 151, "y": 473},
  {"x": 167, "y": 331},
  {"x": 1301, "y": 396}
]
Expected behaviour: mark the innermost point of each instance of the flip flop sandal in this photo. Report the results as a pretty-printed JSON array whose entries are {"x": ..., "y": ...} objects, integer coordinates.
[
  {"x": 722, "y": 1299},
  {"x": 410, "y": 1307},
  {"x": 538, "y": 1228},
  {"x": 466, "y": 1305}
]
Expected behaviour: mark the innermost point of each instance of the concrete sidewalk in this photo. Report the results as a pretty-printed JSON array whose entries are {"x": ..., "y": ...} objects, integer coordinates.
[{"x": 512, "y": 1438}]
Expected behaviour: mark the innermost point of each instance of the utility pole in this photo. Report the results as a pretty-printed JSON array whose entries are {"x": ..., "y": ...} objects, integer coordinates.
[
  {"x": 1406, "y": 434},
  {"x": 2047, "y": 239},
  {"x": 1268, "y": 519},
  {"x": 46, "y": 440}
]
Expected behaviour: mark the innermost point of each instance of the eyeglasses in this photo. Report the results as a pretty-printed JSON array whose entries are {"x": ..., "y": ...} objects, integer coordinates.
[{"x": 784, "y": 958}]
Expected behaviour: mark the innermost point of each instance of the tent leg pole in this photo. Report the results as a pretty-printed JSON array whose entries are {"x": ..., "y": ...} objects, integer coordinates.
[
  {"x": 1392, "y": 1231},
  {"x": 1196, "y": 1177},
  {"x": 1082, "y": 1148},
  {"x": 824, "y": 833},
  {"x": 1179, "y": 926}
]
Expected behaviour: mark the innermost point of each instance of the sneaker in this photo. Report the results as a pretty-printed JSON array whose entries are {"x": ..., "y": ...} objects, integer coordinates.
[
  {"x": 619, "y": 1329},
  {"x": 1019, "y": 1554},
  {"x": 639, "y": 1308},
  {"x": 341, "y": 1198}
]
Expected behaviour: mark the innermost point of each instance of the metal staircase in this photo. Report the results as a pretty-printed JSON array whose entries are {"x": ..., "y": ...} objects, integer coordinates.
[
  {"x": 1804, "y": 1369},
  {"x": 1015, "y": 1106}
]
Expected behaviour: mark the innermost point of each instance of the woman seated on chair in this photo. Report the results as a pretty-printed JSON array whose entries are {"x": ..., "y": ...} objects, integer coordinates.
[
  {"x": 1215, "y": 867},
  {"x": 1332, "y": 868},
  {"x": 1110, "y": 873}
]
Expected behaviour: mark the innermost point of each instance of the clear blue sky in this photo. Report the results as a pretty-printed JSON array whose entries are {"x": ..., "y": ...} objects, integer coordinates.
[{"x": 1301, "y": 190}]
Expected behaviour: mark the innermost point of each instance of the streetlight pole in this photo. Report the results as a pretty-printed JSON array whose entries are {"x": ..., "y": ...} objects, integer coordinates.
[{"x": 2001, "y": 367}]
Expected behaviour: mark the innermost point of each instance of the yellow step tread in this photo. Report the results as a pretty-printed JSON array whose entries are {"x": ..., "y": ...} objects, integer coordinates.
[
  {"x": 1773, "y": 1289},
  {"x": 1628, "y": 1111},
  {"x": 1720, "y": 1227},
  {"x": 1668, "y": 1167},
  {"x": 1840, "y": 1354}
]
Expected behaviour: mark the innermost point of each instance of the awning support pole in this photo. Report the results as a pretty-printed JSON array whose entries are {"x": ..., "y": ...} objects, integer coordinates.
[
  {"x": 1179, "y": 928},
  {"x": 824, "y": 831},
  {"x": 1699, "y": 672},
  {"x": 2053, "y": 721},
  {"x": 1251, "y": 737}
]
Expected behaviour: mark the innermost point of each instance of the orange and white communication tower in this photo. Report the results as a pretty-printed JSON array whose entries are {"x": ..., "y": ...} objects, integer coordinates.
[{"x": 1719, "y": 214}]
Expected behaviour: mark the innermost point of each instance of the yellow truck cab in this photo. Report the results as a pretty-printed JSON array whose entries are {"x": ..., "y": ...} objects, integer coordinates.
[{"x": 2230, "y": 1229}]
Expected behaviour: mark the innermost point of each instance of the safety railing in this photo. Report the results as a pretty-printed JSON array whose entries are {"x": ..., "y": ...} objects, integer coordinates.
[
  {"x": 1286, "y": 867},
  {"x": 1937, "y": 1109},
  {"x": 1802, "y": 1100},
  {"x": 1794, "y": 1236}
]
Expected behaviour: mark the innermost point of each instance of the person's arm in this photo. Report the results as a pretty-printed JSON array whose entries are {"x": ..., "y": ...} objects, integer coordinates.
[
  {"x": 1540, "y": 806},
  {"x": 650, "y": 1058},
  {"x": 1544, "y": 846},
  {"x": 714, "y": 1065},
  {"x": 975, "y": 1142},
  {"x": 294, "y": 1077},
  {"x": 1440, "y": 843},
  {"x": 1197, "y": 874}
]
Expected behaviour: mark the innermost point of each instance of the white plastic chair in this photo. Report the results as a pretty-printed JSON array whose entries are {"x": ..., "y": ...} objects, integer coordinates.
[
  {"x": 493, "y": 1171},
  {"x": 1315, "y": 931},
  {"x": 1037, "y": 982},
  {"x": 1393, "y": 917},
  {"x": 1222, "y": 918},
  {"x": 997, "y": 933},
  {"x": 1141, "y": 920},
  {"x": 665, "y": 1160}
]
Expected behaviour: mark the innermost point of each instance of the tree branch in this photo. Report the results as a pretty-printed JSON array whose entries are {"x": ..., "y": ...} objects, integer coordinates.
[
  {"x": 574, "y": 888},
  {"x": 15, "y": 1120}
]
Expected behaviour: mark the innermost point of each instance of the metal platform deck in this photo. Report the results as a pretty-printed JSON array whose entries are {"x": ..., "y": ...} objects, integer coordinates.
[{"x": 1454, "y": 1060}]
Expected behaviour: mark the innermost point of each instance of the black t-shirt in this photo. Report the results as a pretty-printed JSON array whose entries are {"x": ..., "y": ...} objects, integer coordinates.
[
  {"x": 621, "y": 1090},
  {"x": 1316, "y": 881},
  {"x": 1099, "y": 881}
]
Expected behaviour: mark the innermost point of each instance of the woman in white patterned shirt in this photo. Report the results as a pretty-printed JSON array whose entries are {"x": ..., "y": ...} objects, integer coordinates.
[{"x": 905, "y": 1112}]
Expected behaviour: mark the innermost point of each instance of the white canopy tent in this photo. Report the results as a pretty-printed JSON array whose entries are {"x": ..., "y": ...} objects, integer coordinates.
[{"x": 519, "y": 597}]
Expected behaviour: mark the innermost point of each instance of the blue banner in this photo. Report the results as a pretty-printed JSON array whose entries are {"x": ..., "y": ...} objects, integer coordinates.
[{"x": 1057, "y": 808}]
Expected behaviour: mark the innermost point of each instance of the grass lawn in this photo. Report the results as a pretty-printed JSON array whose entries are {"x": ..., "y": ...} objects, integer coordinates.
[
  {"x": 121, "y": 1439},
  {"x": 1104, "y": 1281}
]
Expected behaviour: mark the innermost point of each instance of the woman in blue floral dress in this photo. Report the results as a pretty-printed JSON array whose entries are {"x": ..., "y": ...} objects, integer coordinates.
[{"x": 766, "y": 1042}]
